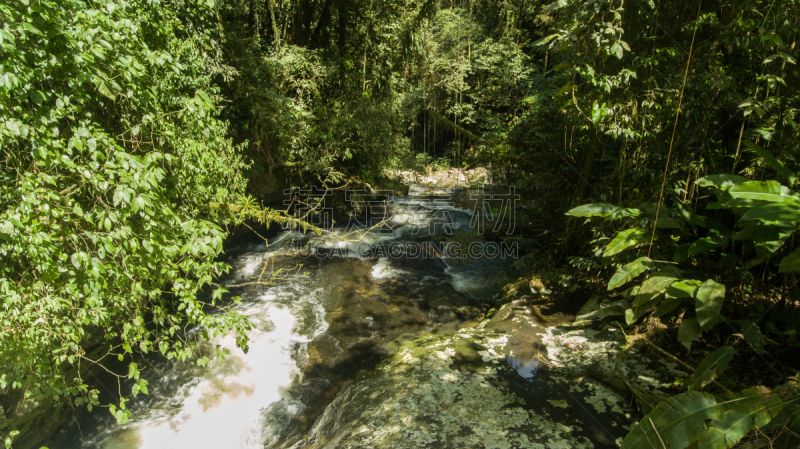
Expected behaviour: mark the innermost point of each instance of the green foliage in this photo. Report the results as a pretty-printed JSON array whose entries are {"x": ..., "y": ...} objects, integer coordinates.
[
  {"x": 710, "y": 368},
  {"x": 112, "y": 153},
  {"x": 629, "y": 238},
  {"x": 708, "y": 421},
  {"x": 628, "y": 272},
  {"x": 594, "y": 210},
  {"x": 765, "y": 212},
  {"x": 680, "y": 420},
  {"x": 316, "y": 93}
]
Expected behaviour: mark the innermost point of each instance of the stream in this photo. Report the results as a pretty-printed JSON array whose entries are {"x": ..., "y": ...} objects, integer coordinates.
[
  {"x": 393, "y": 324},
  {"x": 246, "y": 400}
]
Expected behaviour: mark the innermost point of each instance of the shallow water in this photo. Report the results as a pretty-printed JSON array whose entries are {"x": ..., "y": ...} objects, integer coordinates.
[{"x": 324, "y": 318}]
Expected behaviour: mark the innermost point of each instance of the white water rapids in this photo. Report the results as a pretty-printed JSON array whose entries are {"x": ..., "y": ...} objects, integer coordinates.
[{"x": 234, "y": 402}]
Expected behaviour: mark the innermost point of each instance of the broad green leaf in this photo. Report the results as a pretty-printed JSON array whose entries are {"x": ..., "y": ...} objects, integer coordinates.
[
  {"x": 206, "y": 99},
  {"x": 626, "y": 239},
  {"x": 593, "y": 210},
  {"x": 648, "y": 296},
  {"x": 770, "y": 160},
  {"x": 622, "y": 213},
  {"x": 768, "y": 237},
  {"x": 790, "y": 262},
  {"x": 708, "y": 303},
  {"x": 754, "y": 408},
  {"x": 753, "y": 337},
  {"x": 666, "y": 306},
  {"x": 788, "y": 211},
  {"x": 710, "y": 368},
  {"x": 629, "y": 271},
  {"x": 655, "y": 285},
  {"x": 31, "y": 29},
  {"x": 683, "y": 289},
  {"x": 723, "y": 197},
  {"x": 103, "y": 89},
  {"x": 770, "y": 191},
  {"x": 741, "y": 205},
  {"x": 689, "y": 331},
  {"x": 702, "y": 245},
  {"x": 723, "y": 182},
  {"x": 680, "y": 420}
]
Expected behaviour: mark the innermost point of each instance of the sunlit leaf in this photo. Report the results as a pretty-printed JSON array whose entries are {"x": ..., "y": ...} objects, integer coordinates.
[
  {"x": 626, "y": 239},
  {"x": 629, "y": 271}
]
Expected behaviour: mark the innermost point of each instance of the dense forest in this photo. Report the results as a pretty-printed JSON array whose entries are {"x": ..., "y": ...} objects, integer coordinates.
[{"x": 654, "y": 143}]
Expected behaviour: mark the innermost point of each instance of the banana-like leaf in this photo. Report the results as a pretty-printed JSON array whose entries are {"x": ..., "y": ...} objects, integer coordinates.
[
  {"x": 788, "y": 212},
  {"x": 790, "y": 262},
  {"x": 629, "y": 271},
  {"x": 722, "y": 198},
  {"x": 626, "y": 239},
  {"x": 758, "y": 231},
  {"x": 753, "y": 408},
  {"x": 772, "y": 162},
  {"x": 770, "y": 191},
  {"x": 593, "y": 210},
  {"x": 710, "y": 368},
  {"x": 678, "y": 421},
  {"x": 723, "y": 182},
  {"x": 765, "y": 249},
  {"x": 767, "y": 236}
]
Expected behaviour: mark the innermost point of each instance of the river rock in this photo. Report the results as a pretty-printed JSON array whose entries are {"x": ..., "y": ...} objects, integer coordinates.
[{"x": 510, "y": 382}]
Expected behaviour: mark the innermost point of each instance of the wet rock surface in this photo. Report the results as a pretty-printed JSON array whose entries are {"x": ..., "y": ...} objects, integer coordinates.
[
  {"x": 452, "y": 177},
  {"x": 369, "y": 313},
  {"x": 509, "y": 382}
]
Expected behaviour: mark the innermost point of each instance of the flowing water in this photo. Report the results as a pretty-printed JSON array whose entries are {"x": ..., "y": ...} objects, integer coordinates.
[{"x": 322, "y": 319}]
